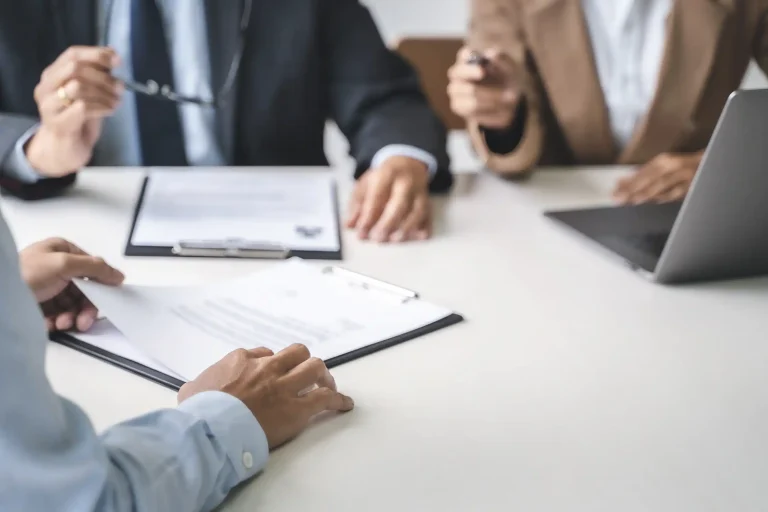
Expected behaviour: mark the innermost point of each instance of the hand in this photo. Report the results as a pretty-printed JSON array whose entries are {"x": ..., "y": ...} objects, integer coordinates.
[
  {"x": 73, "y": 97},
  {"x": 487, "y": 94},
  {"x": 391, "y": 203},
  {"x": 664, "y": 179},
  {"x": 48, "y": 268},
  {"x": 284, "y": 391}
]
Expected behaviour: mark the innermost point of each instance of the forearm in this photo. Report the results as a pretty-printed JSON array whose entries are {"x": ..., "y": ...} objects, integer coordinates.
[
  {"x": 374, "y": 95},
  {"x": 185, "y": 460}
]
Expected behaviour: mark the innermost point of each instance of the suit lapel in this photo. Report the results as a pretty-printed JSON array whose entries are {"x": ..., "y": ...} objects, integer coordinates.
[
  {"x": 563, "y": 52},
  {"x": 693, "y": 34},
  {"x": 223, "y": 36},
  {"x": 79, "y": 18}
]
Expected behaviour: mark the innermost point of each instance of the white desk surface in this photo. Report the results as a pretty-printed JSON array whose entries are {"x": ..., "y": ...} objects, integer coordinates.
[{"x": 573, "y": 385}]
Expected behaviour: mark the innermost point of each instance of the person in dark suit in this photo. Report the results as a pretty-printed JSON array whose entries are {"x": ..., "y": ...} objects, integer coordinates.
[{"x": 216, "y": 82}]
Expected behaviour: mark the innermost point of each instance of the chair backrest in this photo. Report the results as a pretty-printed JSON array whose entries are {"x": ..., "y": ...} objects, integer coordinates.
[{"x": 432, "y": 57}]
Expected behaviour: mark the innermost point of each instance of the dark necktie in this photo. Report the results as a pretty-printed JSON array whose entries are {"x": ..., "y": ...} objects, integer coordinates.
[{"x": 160, "y": 132}]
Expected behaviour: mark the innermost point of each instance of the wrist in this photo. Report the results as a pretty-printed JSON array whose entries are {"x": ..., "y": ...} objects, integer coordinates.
[{"x": 48, "y": 154}]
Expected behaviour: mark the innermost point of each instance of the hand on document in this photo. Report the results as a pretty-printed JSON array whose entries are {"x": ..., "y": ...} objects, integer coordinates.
[
  {"x": 48, "y": 268},
  {"x": 284, "y": 391},
  {"x": 391, "y": 203}
]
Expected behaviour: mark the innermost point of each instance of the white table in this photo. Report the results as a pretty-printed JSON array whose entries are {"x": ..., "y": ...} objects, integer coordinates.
[{"x": 574, "y": 384}]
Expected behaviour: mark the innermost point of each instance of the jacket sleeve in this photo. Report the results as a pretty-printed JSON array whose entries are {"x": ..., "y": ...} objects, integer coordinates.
[
  {"x": 375, "y": 96},
  {"x": 13, "y": 128},
  {"x": 497, "y": 24}
]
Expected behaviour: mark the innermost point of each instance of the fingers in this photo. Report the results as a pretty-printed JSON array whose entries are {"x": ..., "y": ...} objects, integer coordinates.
[
  {"x": 92, "y": 94},
  {"x": 418, "y": 224},
  {"x": 73, "y": 62},
  {"x": 398, "y": 207},
  {"x": 377, "y": 195},
  {"x": 258, "y": 353},
  {"x": 327, "y": 400},
  {"x": 309, "y": 374},
  {"x": 487, "y": 94},
  {"x": 356, "y": 203},
  {"x": 79, "y": 266},
  {"x": 291, "y": 357},
  {"x": 59, "y": 245},
  {"x": 665, "y": 178},
  {"x": 476, "y": 99},
  {"x": 86, "y": 317},
  {"x": 78, "y": 87},
  {"x": 674, "y": 194},
  {"x": 64, "y": 321},
  {"x": 464, "y": 72}
]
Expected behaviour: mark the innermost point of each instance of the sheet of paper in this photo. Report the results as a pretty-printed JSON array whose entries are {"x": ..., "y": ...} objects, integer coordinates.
[
  {"x": 189, "y": 329},
  {"x": 107, "y": 337},
  {"x": 296, "y": 210}
]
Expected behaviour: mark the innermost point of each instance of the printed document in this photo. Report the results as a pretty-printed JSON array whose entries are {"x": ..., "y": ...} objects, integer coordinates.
[
  {"x": 295, "y": 210},
  {"x": 188, "y": 329}
]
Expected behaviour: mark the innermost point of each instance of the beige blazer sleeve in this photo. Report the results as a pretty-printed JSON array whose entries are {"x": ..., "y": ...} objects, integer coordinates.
[{"x": 497, "y": 24}]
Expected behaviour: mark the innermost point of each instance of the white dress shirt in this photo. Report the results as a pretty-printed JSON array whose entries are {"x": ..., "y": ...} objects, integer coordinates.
[
  {"x": 186, "y": 30},
  {"x": 628, "y": 40}
]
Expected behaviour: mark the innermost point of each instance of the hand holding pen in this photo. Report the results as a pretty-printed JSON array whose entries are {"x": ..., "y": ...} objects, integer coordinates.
[{"x": 484, "y": 88}]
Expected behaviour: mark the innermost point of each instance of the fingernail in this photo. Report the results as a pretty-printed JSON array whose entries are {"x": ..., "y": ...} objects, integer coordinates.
[
  {"x": 364, "y": 234},
  {"x": 397, "y": 237},
  {"x": 380, "y": 236},
  {"x": 86, "y": 323},
  {"x": 510, "y": 96},
  {"x": 349, "y": 404},
  {"x": 422, "y": 235}
]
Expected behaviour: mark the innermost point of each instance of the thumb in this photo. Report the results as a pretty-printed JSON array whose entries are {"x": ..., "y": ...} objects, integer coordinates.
[{"x": 91, "y": 267}]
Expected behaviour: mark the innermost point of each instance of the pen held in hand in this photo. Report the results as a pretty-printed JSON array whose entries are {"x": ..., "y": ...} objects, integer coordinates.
[{"x": 478, "y": 59}]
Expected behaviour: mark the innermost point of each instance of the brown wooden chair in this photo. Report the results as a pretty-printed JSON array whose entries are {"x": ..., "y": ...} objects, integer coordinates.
[{"x": 432, "y": 57}]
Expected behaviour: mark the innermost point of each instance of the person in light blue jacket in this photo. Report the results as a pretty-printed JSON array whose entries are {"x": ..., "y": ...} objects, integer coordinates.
[{"x": 183, "y": 460}]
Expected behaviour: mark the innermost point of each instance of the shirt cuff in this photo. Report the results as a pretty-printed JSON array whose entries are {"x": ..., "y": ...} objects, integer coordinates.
[
  {"x": 17, "y": 165},
  {"x": 408, "y": 151},
  {"x": 235, "y": 427}
]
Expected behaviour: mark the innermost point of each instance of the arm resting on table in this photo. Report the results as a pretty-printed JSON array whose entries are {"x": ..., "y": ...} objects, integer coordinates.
[{"x": 375, "y": 95}]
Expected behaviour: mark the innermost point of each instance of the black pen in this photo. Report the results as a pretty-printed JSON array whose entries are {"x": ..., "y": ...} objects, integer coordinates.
[{"x": 478, "y": 59}]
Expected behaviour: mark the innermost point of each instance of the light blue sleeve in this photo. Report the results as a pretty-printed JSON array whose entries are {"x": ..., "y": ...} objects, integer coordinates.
[
  {"x": 181, "y": 460},
  {"x": 17, "y": 165},
  {"x": 404, "y": 150}
]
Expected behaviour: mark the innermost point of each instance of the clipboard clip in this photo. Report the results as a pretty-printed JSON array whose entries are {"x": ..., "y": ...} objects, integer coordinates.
[
  {"x": 369, "y": 283},
  {"x": 230, "y": 248}
]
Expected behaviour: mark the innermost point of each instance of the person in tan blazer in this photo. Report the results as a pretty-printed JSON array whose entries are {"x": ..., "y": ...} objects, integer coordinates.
[{"x": 594, "y": 82}]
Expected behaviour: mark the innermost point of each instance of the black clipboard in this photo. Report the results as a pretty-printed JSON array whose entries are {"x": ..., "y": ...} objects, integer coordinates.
[
  {"x": 165, "y": 380},
  {"x": 168, "y": 252}
]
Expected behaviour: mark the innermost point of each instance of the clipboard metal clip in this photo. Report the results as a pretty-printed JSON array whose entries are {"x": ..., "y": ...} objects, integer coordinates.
[
  {"x": 369, "y": 283},
  {"x": 230, "y": 248}
]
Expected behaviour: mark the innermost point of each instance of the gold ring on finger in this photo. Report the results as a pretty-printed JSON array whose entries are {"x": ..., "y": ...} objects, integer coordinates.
[{"x": 64, "y": 97}]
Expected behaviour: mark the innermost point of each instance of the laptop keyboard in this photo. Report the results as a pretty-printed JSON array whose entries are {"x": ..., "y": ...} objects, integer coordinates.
[{"x": 650, "y": 244}]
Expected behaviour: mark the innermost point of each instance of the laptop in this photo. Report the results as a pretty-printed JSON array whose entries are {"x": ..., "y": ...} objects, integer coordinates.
[{"x": 720, "y": 230}]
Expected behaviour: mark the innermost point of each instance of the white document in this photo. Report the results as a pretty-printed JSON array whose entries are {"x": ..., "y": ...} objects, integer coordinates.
[
  {"x": 189, "y": 329},
  {"x": 295, "y": 210},
  {"x": 107, "y": 337}
]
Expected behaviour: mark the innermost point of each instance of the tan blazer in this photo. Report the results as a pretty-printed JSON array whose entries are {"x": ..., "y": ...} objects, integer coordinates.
[{"x": 709, "y": 46}]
